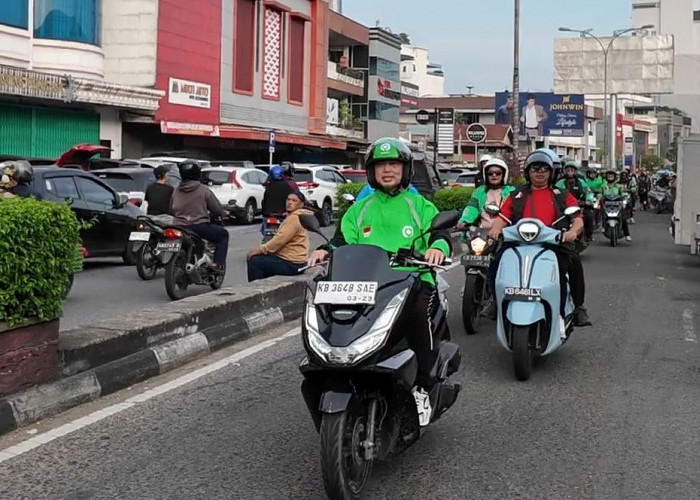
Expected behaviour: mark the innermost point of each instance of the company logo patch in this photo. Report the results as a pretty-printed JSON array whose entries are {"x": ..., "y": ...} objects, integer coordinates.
[
  {"x": 366, "y": 231},
  {"x": 407, "y": 231},
  {"x": 385, "y": 147}
]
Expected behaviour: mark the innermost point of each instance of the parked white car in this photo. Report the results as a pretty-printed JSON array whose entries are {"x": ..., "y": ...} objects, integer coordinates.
[
  {"x": 319, "y": 183},
  {"x": 240, "y": 190}
]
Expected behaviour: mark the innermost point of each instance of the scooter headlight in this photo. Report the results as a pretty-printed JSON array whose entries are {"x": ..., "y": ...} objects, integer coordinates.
[
  {"x": 478, "y": 245},
  {"x": 369, "y": 343},
  {"x": 528, "y": 231}
]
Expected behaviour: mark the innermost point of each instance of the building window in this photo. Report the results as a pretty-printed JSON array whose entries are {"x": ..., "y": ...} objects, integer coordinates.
[
  {"x": 70, "y": 20},
  {"x": 15, "y": 13},
  {"x": 296, "y": 61},
  {"x": 384, "y": 68},
  {"x": 383, "y": 112},
  {"x": 244, "y": 46},
  {"x": 272, "y": 54}
]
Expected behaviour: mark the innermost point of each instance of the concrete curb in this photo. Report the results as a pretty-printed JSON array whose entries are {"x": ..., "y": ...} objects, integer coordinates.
[{"x": 112, "y": 355}]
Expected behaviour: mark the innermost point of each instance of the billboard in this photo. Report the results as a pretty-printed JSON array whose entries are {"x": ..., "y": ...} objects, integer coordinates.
[
  {"x": 545, "y": 114},
  {"x": 636, "y": 65}
]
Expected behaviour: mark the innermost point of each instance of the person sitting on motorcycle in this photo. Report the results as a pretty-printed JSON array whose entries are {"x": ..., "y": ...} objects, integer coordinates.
[
  {"x": 277, "y": 189},
  {"x": 663, "y": 181},
  {"x": 288, "y": 169},
  {"x": 158, "y": 194},
  {"x": 539, "y": 200},
  {"x": 579, "y": 188},
  {"x": 391, "y": 218},
  {"x": 629, "y": 185},
  {"x": 494, "y": 192},
  {"x": 643, "y": 187},
  {"x": 594, "y": 181},
  {"x": 17, "y": 176},
  {"x": 611, "y": 189},
  {"x": 193, "y": 205},
  {"x": 480, "y": 179},
  {"x": 286, "y": 253}
]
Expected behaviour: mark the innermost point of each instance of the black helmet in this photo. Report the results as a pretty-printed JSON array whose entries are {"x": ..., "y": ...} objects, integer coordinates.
[
  {"x": 288, "y": 169},
  {"x": 24, "y": 173},
  {"x": 388, "y": 148},
  {"x": 539, "y": 158},
  {"x": 190, "y": 171}
]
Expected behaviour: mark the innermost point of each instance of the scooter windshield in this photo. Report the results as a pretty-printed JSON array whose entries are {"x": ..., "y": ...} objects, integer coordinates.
[{"x": 363, "y": 263}]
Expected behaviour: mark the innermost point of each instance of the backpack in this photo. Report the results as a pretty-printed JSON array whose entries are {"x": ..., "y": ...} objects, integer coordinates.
[{"x": 560, "y": 196}]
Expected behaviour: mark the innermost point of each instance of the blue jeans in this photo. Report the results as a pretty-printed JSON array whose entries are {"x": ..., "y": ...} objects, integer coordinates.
[
  {"x": 264, "y": 266},
  {"x": 217, "y": 235}
]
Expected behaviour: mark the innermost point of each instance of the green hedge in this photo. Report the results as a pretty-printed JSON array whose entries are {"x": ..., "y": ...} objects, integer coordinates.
[
  {"x": 39, "y": 249},
  {"x": 354, "y": 189},
  {"x": 452, "y": 198}
]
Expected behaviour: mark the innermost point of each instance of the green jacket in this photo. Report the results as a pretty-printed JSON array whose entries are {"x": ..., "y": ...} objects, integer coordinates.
[
  {"x": 614, "y": 190},
  {"x": 393, "y": 222},
  {"x": 477, "y": 202},
  {"x": 584, "y": 192},
  {"x": 595, "y": 185}
]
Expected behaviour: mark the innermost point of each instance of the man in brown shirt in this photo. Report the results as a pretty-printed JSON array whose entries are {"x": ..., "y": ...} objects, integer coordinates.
[{"x": 286, "y": 253}]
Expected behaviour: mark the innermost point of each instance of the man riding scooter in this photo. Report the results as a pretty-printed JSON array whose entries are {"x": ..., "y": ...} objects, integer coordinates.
[
  {"x": 539, "y": 200},
  {"x": 611, "y": 189},
  {"x": 579, "y": 188}
]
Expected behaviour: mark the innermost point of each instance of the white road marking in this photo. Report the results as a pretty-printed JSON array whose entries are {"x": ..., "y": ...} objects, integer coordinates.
[
  {"x": 75, "y": 425},
  {"x": 688, "y": 326}
]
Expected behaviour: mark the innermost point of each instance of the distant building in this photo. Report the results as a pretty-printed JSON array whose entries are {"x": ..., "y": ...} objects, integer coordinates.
[{"x": 417, "y": 69}]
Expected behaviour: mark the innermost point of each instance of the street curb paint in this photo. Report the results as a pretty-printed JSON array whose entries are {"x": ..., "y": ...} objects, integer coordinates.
[{"x": 199, "y": 335}]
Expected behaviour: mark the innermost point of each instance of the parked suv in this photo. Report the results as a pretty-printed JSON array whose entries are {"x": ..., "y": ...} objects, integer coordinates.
[
  {"x": 239, "y": 189},
  {"x": 112, "y": 217},
  {"x": 319, "y": 183}
]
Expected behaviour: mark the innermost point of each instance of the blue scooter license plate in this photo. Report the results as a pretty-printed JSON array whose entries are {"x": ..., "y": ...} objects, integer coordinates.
[{"x": 523, "y": 294}]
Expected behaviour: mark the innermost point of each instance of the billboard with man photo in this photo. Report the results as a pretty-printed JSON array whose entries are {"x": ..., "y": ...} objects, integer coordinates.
[{"x": 544, "y": 113}]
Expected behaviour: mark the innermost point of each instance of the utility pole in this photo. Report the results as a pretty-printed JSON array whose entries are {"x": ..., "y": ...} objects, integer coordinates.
[{"x": 516, "y": 82}]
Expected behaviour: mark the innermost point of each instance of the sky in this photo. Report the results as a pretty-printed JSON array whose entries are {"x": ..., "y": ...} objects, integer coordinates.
[{"x": 473, "y": 39}]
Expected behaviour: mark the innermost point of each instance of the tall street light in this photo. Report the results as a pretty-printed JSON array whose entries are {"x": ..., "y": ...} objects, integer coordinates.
[{"x": 609, "y": 151}]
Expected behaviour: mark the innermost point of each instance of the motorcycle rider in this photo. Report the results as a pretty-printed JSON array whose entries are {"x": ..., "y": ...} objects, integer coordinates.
[
  {"x": 288, "y": 169},
  {"x": 612, "y": 189},
  {"x": 276, "y": 191},
  {"x": 17, "y": 175},
  {"x": 540, "y": 200},
  {"x": 629, "y": 185},
  {"x": 643, "y": 188},
  {"x": 391, "y": 218},
  {"x": 579, "y": 188},
  {"x": 479, "y": 179},
  {"x": 193, "y": 204},
  {"x": 159, "y": 193}
]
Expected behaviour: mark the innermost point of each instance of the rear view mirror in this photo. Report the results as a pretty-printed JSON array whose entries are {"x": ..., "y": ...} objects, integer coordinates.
[
  {"x": 122, "y": 199},
  {"x": 445, "y": 220},
  {"x": 572, "y": 211},
  {"x": 348, "y": 197},
  {"x": 492, "y": 210}
]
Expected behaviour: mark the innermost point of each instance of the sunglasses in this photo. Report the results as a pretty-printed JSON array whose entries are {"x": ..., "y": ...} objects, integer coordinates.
[
  {"x": 494, "y": 173},
  {"x": 539, "y": 168}
]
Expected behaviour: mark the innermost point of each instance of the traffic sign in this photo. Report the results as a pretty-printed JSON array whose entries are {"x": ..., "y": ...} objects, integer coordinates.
[
  {"x": 423, "y": 117},
  {"x": 271, "y": 141},
  {"x": 476, "y": 133}
]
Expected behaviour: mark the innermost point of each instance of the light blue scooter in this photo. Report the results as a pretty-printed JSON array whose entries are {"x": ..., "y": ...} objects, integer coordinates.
[{"x": 528, "y": 297}]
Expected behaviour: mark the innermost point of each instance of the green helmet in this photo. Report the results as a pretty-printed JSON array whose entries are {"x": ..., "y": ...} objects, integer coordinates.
[
  {"x": 388, "y": 148},
  {"x": 571, "y": 164}
]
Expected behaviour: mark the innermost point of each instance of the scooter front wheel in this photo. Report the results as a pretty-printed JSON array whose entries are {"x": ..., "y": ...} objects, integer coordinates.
[
  {"x": 345, "y": 471},
  {"x": 522, "y": 355},
  {"x": 613, "y": 238}
]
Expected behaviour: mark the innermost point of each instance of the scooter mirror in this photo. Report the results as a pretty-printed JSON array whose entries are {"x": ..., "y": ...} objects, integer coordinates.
[
  {"x": 572, "y": 211},
  {"x": 348, "y": 197},
  {"x": 445, "y": 220},
  {"x": 310, "y": 223},
  {"x": 492, "y": 209}
]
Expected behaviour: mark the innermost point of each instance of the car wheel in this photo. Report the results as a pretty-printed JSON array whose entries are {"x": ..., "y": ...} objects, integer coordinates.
[
  {"x": 326, "y": 213},
  {"x": 249, "y": 212}
]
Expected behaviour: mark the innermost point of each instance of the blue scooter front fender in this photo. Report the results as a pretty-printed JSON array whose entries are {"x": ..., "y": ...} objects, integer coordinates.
[{"x": 525, "y": 313}]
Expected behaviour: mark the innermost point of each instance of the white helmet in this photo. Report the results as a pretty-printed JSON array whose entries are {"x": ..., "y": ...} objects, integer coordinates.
[
  {"x": 484, "y": 158},
  {"x": 496, "y": 162}
]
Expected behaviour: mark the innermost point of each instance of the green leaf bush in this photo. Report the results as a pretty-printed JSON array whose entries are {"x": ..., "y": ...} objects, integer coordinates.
[
  {"x": 39, "y": 249},
  {"x": 352, "y": 188},
  {"x": 452, "y": 198}
]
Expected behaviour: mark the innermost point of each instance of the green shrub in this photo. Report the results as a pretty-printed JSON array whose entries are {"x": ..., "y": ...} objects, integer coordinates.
[
  {"x": 352, "y": 188},
  {"x": 452, "y": 198},
  {"x": 39, "y": 249},
  {"x": 520, "y": 181}
]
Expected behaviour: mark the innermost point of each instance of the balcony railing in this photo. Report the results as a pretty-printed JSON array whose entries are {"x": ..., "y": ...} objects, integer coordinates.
[
  {"x": 346, "y": 75},
  {"x": 355, "y": 131}
]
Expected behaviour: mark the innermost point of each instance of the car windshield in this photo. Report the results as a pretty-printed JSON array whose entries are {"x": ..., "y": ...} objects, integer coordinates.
[
  {"x": 216, "y": 177},
  {"x": 303, "y": 176},
  {"x": 466, "y": 179},
  {"x": 450, "y": 175},
  {"x": 355, "y": 176},
  {"x": 126, "y": 183}
]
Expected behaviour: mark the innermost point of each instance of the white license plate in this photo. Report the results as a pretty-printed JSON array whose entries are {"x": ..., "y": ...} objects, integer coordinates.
[
  {"x": 169, "y": 246},
  {"x": 139, "y": 236},
  {"x": 523, "y": 294},
  {"x": 346, "y": 292}
]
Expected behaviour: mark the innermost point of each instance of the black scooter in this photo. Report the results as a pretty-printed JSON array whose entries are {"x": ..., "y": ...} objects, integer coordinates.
[{"x": 359, "y": 371}]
